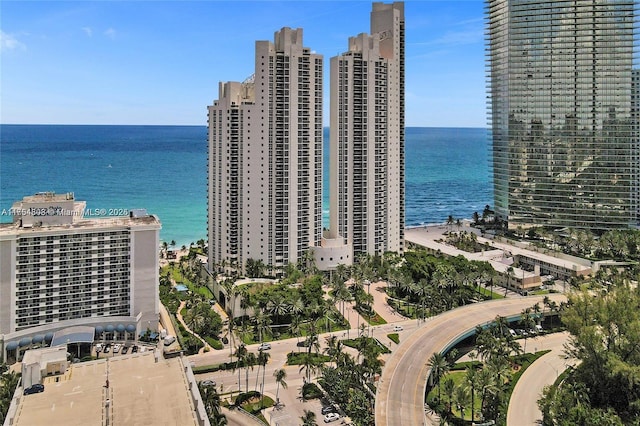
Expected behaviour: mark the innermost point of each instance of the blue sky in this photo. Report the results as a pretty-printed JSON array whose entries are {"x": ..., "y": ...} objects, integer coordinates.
[{"x": 159, "y": 62}]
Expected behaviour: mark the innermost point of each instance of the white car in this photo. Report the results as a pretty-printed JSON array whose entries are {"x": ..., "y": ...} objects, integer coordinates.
[
  {"x": 397, "y": 328},
  {"x": 99, "y": 347},
  {"x": 331, "y": 417},
  {"x": 264, "y": 346},
  {"x": 116, "y": 348}
]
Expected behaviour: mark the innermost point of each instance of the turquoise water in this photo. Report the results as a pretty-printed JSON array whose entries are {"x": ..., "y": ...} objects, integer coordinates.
[{"x": 163, "y": 169}]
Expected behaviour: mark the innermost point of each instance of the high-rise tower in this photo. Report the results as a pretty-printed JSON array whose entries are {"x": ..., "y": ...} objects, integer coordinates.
[
  {"x": 367, "y": 136},
  {"x": 265, "y": 158},
  {"x": 565, "y": 135}
]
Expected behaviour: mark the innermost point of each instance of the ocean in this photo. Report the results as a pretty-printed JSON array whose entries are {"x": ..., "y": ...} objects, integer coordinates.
[{"x": 163, "y": 170}]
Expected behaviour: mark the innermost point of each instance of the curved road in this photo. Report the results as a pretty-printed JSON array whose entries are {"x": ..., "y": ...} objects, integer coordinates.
[
  {"x": 523, "y": 405},
  {"x": 400, "y": 394}
]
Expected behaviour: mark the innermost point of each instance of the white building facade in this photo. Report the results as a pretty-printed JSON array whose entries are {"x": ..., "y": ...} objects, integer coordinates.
[
  {"x": 367, "y": 209},
  {"x": 58, "y": 269},
  {"x": 265, "y": 159}
]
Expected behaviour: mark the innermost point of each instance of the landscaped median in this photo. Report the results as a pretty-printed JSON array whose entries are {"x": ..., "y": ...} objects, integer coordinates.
[{"x": 466, "y": 386}]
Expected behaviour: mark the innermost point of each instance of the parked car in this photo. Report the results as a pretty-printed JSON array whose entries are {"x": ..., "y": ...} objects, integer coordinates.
[
  {"x": 169, "y": 340},
  {"x": 134, "y": 349},
  {"x": 264, "y": 346},
  {"x": 331, "y": 417},
  {"x": 36, "y": 388},
  {"x": 98, "y": 347},
  {"x": 397, "y": 328},
  {"x": 208, "y": 383},
  {"x": 539, "y": 328},
  {"x": 328, "y": 409},
  {"x": 116, "y": 348},
  {"x": 107, "y": 348},
  {"x": 125, "y": 349}
]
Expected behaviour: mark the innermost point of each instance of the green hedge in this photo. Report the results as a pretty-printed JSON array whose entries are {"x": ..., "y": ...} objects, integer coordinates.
[
  {"x": 217, "y": 367},
  {"x": 295, "y": 358},
  {"x": 214, "y": 343}
]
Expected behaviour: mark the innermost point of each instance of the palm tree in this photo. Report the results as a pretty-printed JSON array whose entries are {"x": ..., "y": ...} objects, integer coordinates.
[
  {"x": 241, "y": 354},
  {"x": 472, "y": 382},
  {"x": 211, "y": 401},
  {"x": 263, "y": 358},
  {"x": 309, "y": 418},
  {"x": 280, "y": 376},
  {"x": 250, "y": 360},
  {"x": 462, "y": 398},
  {"x": 450, "y": 221},
  {"x": 439, "y": 367},
  {"x": 510, "y": 274},
  {"x": 527, "y": 322},
  {"x": 486, "y": 385},
  {"x": 449, "y": 387},
  {"x": 278, "y": 308},
  {"x": 309, "y": 364},
  {"x": 261, "y": 324}
]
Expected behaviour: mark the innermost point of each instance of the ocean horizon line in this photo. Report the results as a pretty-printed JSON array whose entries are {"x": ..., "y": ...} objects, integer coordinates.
[{"x": 204, "y": 125}]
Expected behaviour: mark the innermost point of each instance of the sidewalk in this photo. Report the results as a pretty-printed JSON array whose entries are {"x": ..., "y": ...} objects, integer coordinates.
[
  {"x": 206, "y": 347},
  {"x": 380, "y": 305}
]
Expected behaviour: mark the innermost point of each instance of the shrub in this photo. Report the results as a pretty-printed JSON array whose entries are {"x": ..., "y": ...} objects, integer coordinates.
[
  {"x": 311, "y": 391},
  {"x": 246, "y": 396},
  {"x": 295, "y": 358}
]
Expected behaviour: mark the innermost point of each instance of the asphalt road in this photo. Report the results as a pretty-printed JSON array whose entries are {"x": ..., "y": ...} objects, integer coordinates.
[
  {"x": 400, "y": 394},
  {"x": 523, "y": 406}
]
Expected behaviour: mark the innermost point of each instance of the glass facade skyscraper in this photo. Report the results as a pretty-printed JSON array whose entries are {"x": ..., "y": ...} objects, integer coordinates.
[{"x": 563, "y": 112}]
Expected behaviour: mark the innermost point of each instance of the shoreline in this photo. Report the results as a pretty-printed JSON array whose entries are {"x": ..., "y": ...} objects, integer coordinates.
[{"x": 178, "y": 247}]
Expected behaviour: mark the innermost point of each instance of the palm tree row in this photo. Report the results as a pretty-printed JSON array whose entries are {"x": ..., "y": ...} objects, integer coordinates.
[
  {"x": 211, "y": 400},
  {"x": 347, "y": 380},
  {"x": 435, "y": 284},
  {"x": 248, "y": 360},
  {"x": 494, "y": 346}
]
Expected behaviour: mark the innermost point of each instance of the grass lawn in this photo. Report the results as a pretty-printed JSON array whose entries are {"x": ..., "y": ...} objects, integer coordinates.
[
  {"x": 394, "y": 337},
  {"x": 493, "y": 295},
  {"x": 176, "y": 276}
]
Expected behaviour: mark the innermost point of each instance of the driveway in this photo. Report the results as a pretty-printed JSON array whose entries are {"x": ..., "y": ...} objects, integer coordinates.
[
  {"x": 400, "y": 395},
  {"x": 523, "y": 406}
]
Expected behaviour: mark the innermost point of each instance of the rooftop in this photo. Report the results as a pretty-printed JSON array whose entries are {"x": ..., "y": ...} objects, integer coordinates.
[
  {"x": 102, "y": 222},
  {"x": 140, "y": 392}
]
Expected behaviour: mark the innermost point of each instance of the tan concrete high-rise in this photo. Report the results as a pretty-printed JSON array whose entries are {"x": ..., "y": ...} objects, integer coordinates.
[
  {"x": 367, "y": 136},
  {"x": 265, "y": 159}
]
